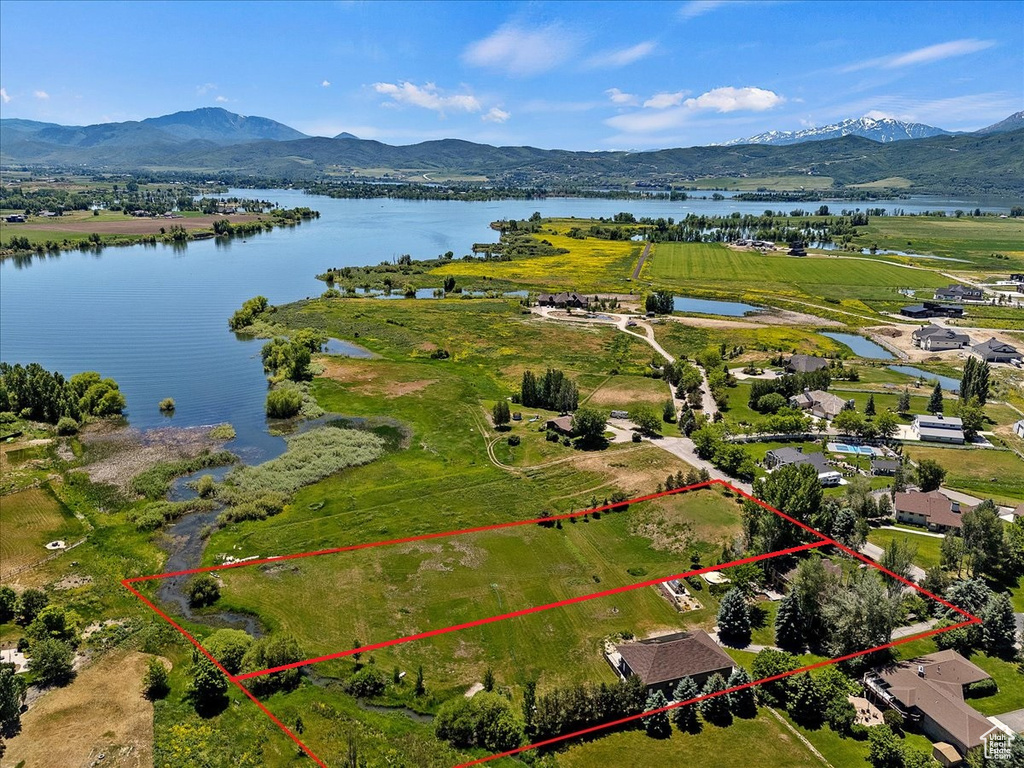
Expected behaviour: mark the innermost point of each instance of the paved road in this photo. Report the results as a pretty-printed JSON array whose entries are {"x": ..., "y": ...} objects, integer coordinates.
[
  {"x": 682, "y": 448},
  {"x": 640, "y": 262}
]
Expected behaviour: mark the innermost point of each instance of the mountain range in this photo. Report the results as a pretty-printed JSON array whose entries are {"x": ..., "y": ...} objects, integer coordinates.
[
  {"x": 883, "y": 129},
  {"x": 214, "y": 140}
]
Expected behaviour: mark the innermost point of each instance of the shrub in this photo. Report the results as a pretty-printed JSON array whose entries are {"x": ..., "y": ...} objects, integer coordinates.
[
  {"x": 205, "y": 486},
  {"x": 367, "y": 682},
  {"x": 167, "y": 405},
  {"x": 223, "y": 432},
  {"x": 513, "y": 440},
  {"x": 228, "y": 646},
  {"x": 202, "y": 590},
  {"x": 272, "y": 652},
  {"x": 155, "y": 684},
  {"x": 981, "y": 688},
  {"x": 283, "y": 403},
  {"x": 66, "y": 426}
]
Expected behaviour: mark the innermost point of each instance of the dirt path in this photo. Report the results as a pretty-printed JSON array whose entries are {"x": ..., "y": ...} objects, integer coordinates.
[{"x": 640, "y": 262}]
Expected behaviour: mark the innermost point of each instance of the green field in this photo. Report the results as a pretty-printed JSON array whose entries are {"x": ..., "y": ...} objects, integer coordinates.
[
  {"x": 986, "y": 473},
  {"x": 973, "y": 239},
  {"x": 29, "y": 520},
  {"x": 714, "y": 267},
  {"x": 401, "y": 590}
]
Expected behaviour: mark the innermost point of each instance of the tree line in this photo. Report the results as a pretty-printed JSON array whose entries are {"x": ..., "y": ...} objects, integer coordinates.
[{"x": 34, "y": 393}]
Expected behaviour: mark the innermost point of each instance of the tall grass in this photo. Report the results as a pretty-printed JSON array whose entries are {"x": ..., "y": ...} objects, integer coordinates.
[{"x": 310, "y": 457}]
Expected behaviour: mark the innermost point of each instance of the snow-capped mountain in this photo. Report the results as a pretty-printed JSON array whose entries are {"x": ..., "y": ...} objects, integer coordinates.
[{"x": 883, "y": 130}]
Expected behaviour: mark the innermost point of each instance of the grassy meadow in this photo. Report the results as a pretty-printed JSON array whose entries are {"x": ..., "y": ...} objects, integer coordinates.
[{"x": 29, "y": 520}]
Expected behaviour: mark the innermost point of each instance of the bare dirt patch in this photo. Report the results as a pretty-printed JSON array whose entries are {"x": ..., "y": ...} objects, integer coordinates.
[
  {"x": 123, "y": 452},
  {"x": 102, "y": 712}
]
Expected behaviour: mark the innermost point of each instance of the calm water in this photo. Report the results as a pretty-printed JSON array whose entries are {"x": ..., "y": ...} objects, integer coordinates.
[
  {"x": 713, "y": 307},
  {"x": 155, "y": 317},
  {"x": 949, "y": 384},
  {"x": 862, "y": 347}
]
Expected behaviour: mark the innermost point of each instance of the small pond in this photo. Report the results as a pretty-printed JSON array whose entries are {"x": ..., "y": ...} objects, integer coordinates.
[
  {"x": 948, "y": 383},
  {"x": 713, "y": 307},
  {"x": 862, "y": 347}
]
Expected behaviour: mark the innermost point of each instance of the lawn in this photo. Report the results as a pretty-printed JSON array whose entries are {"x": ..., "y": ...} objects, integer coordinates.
[
  {"x": 626, "y": 392},
  {"x": 682, "y": 340},
  {"x": 29, "y": 519},
  {"x": 715, "y": 267},
  {"x": 928, "y": 547},
  {"x": 983, "y": 472},
  {"x": 762, "y": 741},
  {"x": 389, "y": 592}
]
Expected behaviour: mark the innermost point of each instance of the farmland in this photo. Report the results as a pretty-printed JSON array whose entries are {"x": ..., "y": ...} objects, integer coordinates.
[{"x": 30, "y": 519}]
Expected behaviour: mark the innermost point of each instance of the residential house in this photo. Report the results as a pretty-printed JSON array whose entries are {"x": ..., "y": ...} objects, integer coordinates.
[
  {"x": 797, "y": 249},
  {"x": 930, "y": 509},
  {"x": 994, "y": 351},
  {"x": 932, "y": 309},
  {"x": 563, "y": 300},
  {"x": 884, "y": 467},
  {"x": 16, "y": 218},
  {"x": 958, "y": 292},
  {"x": 822, "y": 404},
  {"x": 562, "y": 425},
  {"x": 662, "y": 662},
  {"x": 938, "y": 428},
  {"x": 620, "y": 414},
  {"x": 929, "y": 692},
  {"x": 805, "y": 364},
  {"x": 936, "y": 338},
  {"x": 1017, "y": 277},
  {"x": 781, "y": 457},
  {"x": 1018, "y": 428}
]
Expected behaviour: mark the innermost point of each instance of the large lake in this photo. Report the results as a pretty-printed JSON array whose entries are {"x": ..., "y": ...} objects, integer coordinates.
[{"x": 155, "y": 317}]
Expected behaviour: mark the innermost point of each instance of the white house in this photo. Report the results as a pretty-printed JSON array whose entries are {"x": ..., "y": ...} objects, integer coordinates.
[{"x": 939, "y": 429}]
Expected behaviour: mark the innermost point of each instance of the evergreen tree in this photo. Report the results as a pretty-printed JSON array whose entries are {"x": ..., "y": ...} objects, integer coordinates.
[
  {"x": 685, "y": 717},
  {"x": 420, "y": 688},
  {"x": 715, "y": 709},
  {"x": 789, "y": 624},
  {"x": 998, "y": 629},
  {"x": 975, "y": 380},
  {"x": 903, "y": 403},
  {"x": 935, "y": 401},
  {"x": 500, "y": 413},
  {"x": 869, "y": 408},
  {"x": 528, "y": 394},
  {"x": 657, "y": 725},
  {"x": 489, "y": 680},
  {"x": 741, "y": 702},
  {"x": 734, "y": 619}
]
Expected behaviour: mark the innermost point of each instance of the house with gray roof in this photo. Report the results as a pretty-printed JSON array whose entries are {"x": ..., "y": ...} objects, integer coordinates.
[
  {"x": 935, "y": 338},
  {"x": 781, "y": 457},
  {"x": 938, "y": 428},
  {"x": 805, "y": 363},
  {"x": 995, "y": 351},
  {"x": 819, "y": 403},
  {"x": 957, "y": 292}
]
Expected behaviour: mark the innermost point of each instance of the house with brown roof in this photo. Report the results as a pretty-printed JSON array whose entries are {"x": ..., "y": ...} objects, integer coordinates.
[
  {"x": 563, "y": 300},
  {"x": 819, "y": 403},
  {"x": 662, "y": 662},
  {"x": 929, "y": 692},
  {"x": 562, "y": 425},
  {"x": 930, "y": 509}
]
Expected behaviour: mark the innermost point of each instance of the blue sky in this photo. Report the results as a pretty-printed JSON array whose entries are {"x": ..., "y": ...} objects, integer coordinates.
[{"x": 570, "y": 75}]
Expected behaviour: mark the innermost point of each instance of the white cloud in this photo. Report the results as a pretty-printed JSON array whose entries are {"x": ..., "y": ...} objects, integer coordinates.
[
  {"x": 665, "y": 100},
  {"x": 205, "y": 88},
  {"x": 877, "y": 114},
  {"x": 620, "y": 97},
  {"x": 732, "y": 99},
  {"x": 428, "y": 96},
  {"x": 925, "y": 55},
  {"x": 522, "y": 52},
  {"x": 325, "y": 84},
  {"x": 221, "y": 99},
  {"x": 495, "y": 115},
  {"x": 622, "y": 56},
  {"x": 3, "y": 96},
  {"x": 666, "y": 111},
  {"x": 41, "y": 95},
  {"x": 696, "y": 8}
]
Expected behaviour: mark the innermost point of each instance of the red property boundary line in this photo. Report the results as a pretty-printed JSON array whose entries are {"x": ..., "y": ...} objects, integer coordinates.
[{"x": 822, "y": 540}]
